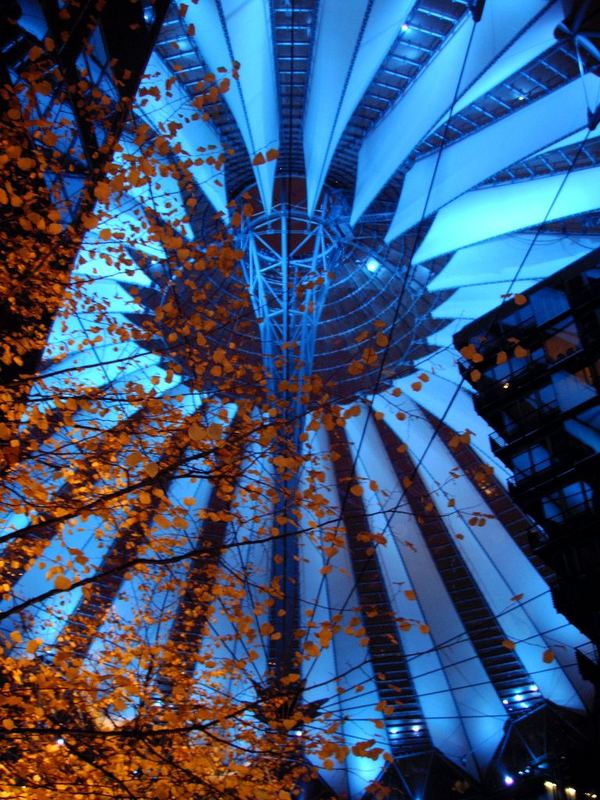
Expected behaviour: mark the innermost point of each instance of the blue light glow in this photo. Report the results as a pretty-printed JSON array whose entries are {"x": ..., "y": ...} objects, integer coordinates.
[{"x": 372, "y": 264}]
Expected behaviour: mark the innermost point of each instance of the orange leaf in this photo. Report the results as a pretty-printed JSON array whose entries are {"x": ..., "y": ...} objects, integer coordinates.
[
  {"x": 548, "y": 657},
  {"x": 25, "y": 163},
  {"x": 102, "y": 191}
]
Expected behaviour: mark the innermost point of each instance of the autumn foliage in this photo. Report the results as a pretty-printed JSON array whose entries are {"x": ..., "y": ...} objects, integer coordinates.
[
  {"x": 157, "y": 473},
  {"x": 139, "y": 666}
]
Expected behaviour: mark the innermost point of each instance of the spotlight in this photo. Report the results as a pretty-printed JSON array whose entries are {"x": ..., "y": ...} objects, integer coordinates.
[
  {"x": 372, "y": 264},
  {"x": 405, "y": 28},
  {"x": 394, "y": 731},
  {"x": 509, "y": 780},
  {"x": 416, "y": 728}
]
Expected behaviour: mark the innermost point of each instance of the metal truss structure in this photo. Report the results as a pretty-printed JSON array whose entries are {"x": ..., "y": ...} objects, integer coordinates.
[
  {"x": 290, "y": 261},
  {"x": 455, "y": 142}
]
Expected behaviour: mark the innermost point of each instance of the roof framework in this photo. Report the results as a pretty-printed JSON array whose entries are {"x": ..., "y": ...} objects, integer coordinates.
[{"x": 466, "y": 701}]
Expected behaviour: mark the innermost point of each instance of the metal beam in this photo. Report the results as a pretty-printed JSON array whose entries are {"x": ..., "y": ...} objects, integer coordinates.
[
  {"x": 352, "y": 39},
  {"x": 483, "y": 214},
  {"x": 229, "y": 31},
  {"x": 466, "y": 726},
  {"x": 468, "y": 54},
  {"x": 496, "y": 563},
  {"x": 441, "y": 177}
]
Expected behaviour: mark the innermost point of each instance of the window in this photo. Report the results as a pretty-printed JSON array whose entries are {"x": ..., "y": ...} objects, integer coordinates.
[
  {"x": 585, "y": 427},
  {"x": 571, "y": 390},
  {"x": 562, "y": 343},
  {"x": 531, "y": 460},
  {"x": 572, "y": 499},
  {"x": 520, "y": 319},
  {"x": 548, "y": 303},
  {"x": 524, "y": 412}
]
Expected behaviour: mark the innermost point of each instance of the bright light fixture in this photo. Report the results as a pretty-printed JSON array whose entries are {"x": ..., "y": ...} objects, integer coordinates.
[
  {"x": 509, "y": 780},
  {"x": 372, "y": 264}
]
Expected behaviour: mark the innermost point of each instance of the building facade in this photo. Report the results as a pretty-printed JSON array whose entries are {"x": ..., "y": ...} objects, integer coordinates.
[{"x": 535, "y": 368}]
